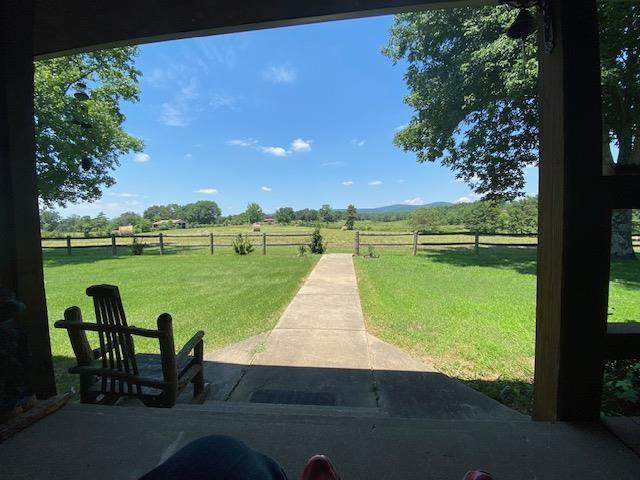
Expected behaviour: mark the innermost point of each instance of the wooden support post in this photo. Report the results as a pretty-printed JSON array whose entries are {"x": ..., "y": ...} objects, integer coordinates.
[
  {"x": 476, "y": 244},
  {"x": 211, "y": 243},
  {"x": 114, "y": 247},
  {"x": 356, "y": 243},
  {"x": 20, "y": 243},
  {"x": 161, "y": 237},
  {"x": 572, "y": 295},
  {"x": 415, "y": 243},
  {"x": 264, "y": 243},
  {"x": 69, "y": 245}
]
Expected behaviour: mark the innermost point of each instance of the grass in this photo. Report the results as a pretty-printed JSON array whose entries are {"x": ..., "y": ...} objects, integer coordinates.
[
  {"x": 230, "y": 297},
  {"x": 473, "y": 316}
]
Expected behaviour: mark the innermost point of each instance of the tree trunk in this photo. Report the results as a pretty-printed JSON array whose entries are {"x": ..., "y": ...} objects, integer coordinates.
[{"x": 621, "y": 235}]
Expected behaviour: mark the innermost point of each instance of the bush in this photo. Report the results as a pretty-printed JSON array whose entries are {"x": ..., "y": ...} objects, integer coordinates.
[
  {"x": 316, "y": 244},
  {"x": 302, "y": 250},
  {"x": 242, "y": 245},
  {"x": 371, "y": 252},
  {"x": 137, "y": 248}
]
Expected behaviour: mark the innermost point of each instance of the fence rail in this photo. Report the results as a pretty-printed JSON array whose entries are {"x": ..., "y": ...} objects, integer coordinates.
[{"x": 164, "y": 241}]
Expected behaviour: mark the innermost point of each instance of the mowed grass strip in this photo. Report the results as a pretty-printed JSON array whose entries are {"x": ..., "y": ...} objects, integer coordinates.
[
  {"x": 230, "y": 297},
  {"x": 472, "y": 315}
]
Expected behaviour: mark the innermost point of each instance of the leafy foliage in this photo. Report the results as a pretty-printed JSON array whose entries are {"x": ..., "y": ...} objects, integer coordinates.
[
  {"x": 242, "y": 245},
  {"x": 426, "y": 219},
  {"x": 325, "y": 214},
  {"x": 203, "y": 212},
  {"x": 254, "y": 213},
  {"x": 621, "y": 394},
  {"x": 316, "y": 244},
  {"x": 350, "y": 217},
  {"x": 302, "y": 250},
  {"x": 137, "y": 248},
  {"x": 522, "y": 216},
  {"x": 487, "y": 216},
  {"x": 285, "y": 215},
  {"x": 69, "y": 130}
]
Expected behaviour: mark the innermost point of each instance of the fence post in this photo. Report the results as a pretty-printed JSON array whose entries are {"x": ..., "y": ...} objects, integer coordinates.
[
  {"x": 264, "y": 243},
  {"x": 211, "y": 243},
  {"x": 161, "y": 237},
  {"x": 415, "y": 243},
  {"x": 477, "y": 244},
  {"x": 356, "y": 243},
  {"x": 114, "y": 248},
  {"x": 68, "y": 245}
]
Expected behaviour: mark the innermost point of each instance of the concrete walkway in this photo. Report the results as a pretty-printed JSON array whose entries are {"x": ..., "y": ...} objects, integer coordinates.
[{"x": 320, "y": 354}]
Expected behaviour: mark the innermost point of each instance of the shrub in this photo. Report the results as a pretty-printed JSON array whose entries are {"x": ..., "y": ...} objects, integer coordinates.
[
  {"x": 302, "y": 250},
  {"x": 316, "y": 244},
  {"x": 242, "y": 245},
  {"x": 371, "y": 252},
  {"x": 137, "y": 248}
]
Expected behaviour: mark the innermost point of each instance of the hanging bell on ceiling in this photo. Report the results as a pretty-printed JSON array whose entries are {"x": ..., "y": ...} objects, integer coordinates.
[
  {"x": 86, "y": 164},
  {"x": 523, "y": 26}
]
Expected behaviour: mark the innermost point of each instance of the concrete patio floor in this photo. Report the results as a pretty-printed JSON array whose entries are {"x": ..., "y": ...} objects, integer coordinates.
[{"x": 84, "y": 441}]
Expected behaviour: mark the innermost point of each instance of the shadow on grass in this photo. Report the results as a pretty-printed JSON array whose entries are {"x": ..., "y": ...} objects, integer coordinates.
[
  {"x": 58, "y": 257},
  {"x": 523, "y": 260}
]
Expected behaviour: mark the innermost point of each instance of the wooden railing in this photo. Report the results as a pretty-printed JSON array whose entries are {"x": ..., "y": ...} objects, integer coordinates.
[
  {"x": 163, "y": 241},
  {"x": 418, "y": 240}
]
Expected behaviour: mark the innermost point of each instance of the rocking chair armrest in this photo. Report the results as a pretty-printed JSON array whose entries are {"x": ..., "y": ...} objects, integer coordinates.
[{"x": 183, "y": 355}]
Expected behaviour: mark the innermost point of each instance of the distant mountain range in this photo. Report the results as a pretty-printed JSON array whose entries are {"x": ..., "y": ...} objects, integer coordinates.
[{"x": 400, "y": 208}]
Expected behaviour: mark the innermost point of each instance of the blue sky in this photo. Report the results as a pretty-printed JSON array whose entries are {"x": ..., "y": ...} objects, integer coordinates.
[{"x": 297, "y": 116}]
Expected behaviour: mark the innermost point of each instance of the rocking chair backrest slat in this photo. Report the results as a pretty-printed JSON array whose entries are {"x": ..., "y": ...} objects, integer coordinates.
[{"x": 116, "y": 347}]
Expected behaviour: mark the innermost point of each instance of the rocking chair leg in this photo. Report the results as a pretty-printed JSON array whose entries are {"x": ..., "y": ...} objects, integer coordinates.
[{"x": 200, "y": 389}]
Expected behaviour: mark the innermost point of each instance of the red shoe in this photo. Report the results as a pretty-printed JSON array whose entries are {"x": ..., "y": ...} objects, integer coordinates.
[
  {"x": 319, "y": 467},
  {"x": 477, "y": 475}
]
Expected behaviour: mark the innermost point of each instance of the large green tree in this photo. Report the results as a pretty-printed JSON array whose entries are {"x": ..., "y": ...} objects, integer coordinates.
[
  {"x": 73, "y": 132},
  {"x": 254, "y": 213},
  {"x": 473, "y": 91},
  {"x": 285, "y": 215},
  {"x": 351, "y": 215},
  {"x": 202, "y": 212}
]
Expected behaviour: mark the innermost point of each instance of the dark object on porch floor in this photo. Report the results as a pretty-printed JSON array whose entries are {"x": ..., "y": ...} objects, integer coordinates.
[{"x": 155, "y": 380}]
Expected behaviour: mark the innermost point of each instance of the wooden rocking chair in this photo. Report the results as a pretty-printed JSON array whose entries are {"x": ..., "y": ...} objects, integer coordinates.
[{"x": 155, "y": 380}]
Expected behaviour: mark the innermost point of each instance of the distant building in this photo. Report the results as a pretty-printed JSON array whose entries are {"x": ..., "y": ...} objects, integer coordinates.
[
  {"x": 177, "y": 223},
  {"x": 269, "y": 220}
]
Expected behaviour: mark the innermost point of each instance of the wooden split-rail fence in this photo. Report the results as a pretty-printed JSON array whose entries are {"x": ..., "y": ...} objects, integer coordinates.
[{"x": 164, "y": 241}]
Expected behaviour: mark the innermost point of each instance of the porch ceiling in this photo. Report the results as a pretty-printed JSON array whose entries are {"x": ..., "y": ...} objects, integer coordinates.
[{"x": 70, "y": 26}]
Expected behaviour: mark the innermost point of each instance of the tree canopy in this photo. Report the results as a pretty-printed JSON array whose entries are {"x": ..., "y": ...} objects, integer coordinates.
[
  {"x": 86, "y": 131},
  {"x": 254, "y": 213},
  {"x": 473, "y": 93}
]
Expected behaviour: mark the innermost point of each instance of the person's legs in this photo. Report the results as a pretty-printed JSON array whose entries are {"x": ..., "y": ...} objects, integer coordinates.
[{"x": 217, "y": 457}]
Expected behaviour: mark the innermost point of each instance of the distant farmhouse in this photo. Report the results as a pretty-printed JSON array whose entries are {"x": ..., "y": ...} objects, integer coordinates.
[{"x": 177, "y": 223}]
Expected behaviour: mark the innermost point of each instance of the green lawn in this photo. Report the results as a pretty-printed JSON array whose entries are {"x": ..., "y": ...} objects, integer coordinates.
[
  {"x": 472, "y": 315},
  {"x": 228, "y": 296}
]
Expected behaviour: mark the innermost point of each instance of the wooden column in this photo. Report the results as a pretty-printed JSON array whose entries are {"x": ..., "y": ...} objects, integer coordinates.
[
  {"x": 211, "y": 243},
  {"x": 415, "y": 243},
  {"x": 161, "y": 238},
  {"x": 21, "y": 258},
  {"x": 114, "y": 246},
  {"x": 573, "y": 274},
  {"x": 264, "y": 243},
  {"x": 356, "y": 243}
]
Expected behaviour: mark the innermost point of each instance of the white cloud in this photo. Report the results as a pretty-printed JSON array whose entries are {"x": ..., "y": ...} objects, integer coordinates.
[
  {"x": 333, "y": 164},
  {"x": 300, "y": 145},
  {"x": 266, "y": 189},
  {"x": 125, "y": 195},
  {"x": 275, "y": 151},
  {"x": 141, "y": 157},
  {"x": 188, "y": 155},
  {"x": 359, "y": 142},
  {"x": 401, "y": 180},
  {"x": 469, "y": 198},
  {"x": 281, "y": 74},
  {"x": 400, "y": 127},
  {"x": 414, "y": 201},
  {"x": 243, "y": 142},
  {"x": 207, "y": 191},
  {"x": 348, "y": 183},
  {"x": 223, "y": 100},
  {"x": 374, "y": 183},
  {"x": 175, "y": 114}
]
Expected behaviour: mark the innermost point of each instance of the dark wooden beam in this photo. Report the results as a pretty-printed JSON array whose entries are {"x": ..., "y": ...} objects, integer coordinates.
[
  {"x": 573, "y": 275},
  {"x": 20, "y": 250},
  {"x": 70, "y": 26},
  {"x": 622, "y": 341},
  {"x": 621, "y": 191}
]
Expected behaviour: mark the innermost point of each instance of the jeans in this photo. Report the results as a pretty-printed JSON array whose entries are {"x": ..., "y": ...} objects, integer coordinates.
[{"x": 217, "y": 457}]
